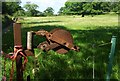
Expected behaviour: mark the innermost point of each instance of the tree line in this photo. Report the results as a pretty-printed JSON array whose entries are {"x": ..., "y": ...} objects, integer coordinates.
[
  {"x": 29, "y": 9},
  {"x": 89, "y": 8},
  {"x": 70, "y": 8}
]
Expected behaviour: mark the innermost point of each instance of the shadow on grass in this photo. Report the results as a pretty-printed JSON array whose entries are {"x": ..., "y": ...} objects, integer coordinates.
[
  {"x": 41, "y": 22},
  {"x": 74, "y": 65}
]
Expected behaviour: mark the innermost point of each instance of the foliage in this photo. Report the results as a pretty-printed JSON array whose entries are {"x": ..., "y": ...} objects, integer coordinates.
[
  {"x": 49, "y": 11},
  {"x": 41, "y": 14},
  {"x": 10, "y": 9},
  {"x": 61, "y": 11},
  {"x": 88, "y": 33},
  {"x": 115, "y": 7},
  {"x": 19, "y": 13},
  {"x": 6, "y": 21},
  {"x": 88, "y": 8},
  {"x": 31, "y": 9}
]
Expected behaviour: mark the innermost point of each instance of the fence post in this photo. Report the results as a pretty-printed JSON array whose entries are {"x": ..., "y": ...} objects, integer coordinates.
[
  {"x": 111, "y": 57},
  {"x": 17, "y": 42},
  {"x": 29, "y": 40}
]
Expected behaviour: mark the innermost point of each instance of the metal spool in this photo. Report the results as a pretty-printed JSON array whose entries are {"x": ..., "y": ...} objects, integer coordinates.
[{"x": 56, "y": 46}]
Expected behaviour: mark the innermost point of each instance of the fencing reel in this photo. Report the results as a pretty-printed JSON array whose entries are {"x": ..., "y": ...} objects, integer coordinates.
[{"x": 57, "y": 39}]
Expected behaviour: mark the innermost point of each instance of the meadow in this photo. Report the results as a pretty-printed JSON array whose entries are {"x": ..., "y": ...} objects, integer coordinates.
[{"x": 89, "y": 33}]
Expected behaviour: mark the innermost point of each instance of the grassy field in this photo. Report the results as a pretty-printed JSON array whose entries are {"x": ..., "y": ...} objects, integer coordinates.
[{"x": 88, "y": 33}]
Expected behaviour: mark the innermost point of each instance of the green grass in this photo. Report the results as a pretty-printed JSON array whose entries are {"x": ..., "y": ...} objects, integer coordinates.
[
  {"x": 75, "y": 22},
  {"x": 88, "y": 33}
]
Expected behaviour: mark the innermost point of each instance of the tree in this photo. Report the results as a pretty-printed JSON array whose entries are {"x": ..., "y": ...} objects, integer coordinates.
[
  {"x": 31, "y": 9},
  {"x": 73, "y": 8},
  {"x": 8, "y": 10},
  {"x": 105, "y": 6},
  {"x": 10, "y": 7},
  {"x": 61, "y": 10},
  {"x": 115, "y": 7},
  {"x": 88, "y": 8},
  {"x": 49, "y": 11},
  {"x": 19, "y": 13}
]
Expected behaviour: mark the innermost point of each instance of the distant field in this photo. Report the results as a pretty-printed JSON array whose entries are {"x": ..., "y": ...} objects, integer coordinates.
[
  {"x": 88, "y": 33},
  {"x": 75, "y": 22}
]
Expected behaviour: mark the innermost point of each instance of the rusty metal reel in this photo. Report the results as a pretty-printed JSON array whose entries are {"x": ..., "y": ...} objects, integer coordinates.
[{"x": 56, "y": 46}]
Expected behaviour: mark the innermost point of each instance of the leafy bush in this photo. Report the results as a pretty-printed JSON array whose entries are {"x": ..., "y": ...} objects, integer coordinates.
[
  {"x": 19, "y": 13},
  {"x": 6, "y": 21}
]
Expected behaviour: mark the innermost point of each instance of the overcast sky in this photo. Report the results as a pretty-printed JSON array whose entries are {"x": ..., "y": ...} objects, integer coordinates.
[{"x": 43, "y": 4}]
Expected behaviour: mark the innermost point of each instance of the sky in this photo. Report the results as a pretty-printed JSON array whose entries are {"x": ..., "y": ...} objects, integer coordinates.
[{"x": 44, "y": 4}]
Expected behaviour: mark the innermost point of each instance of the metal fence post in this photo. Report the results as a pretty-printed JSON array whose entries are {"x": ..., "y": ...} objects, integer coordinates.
[
  {"x": 111, "y": 57},
  {"x": 17, "y": 42}
]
